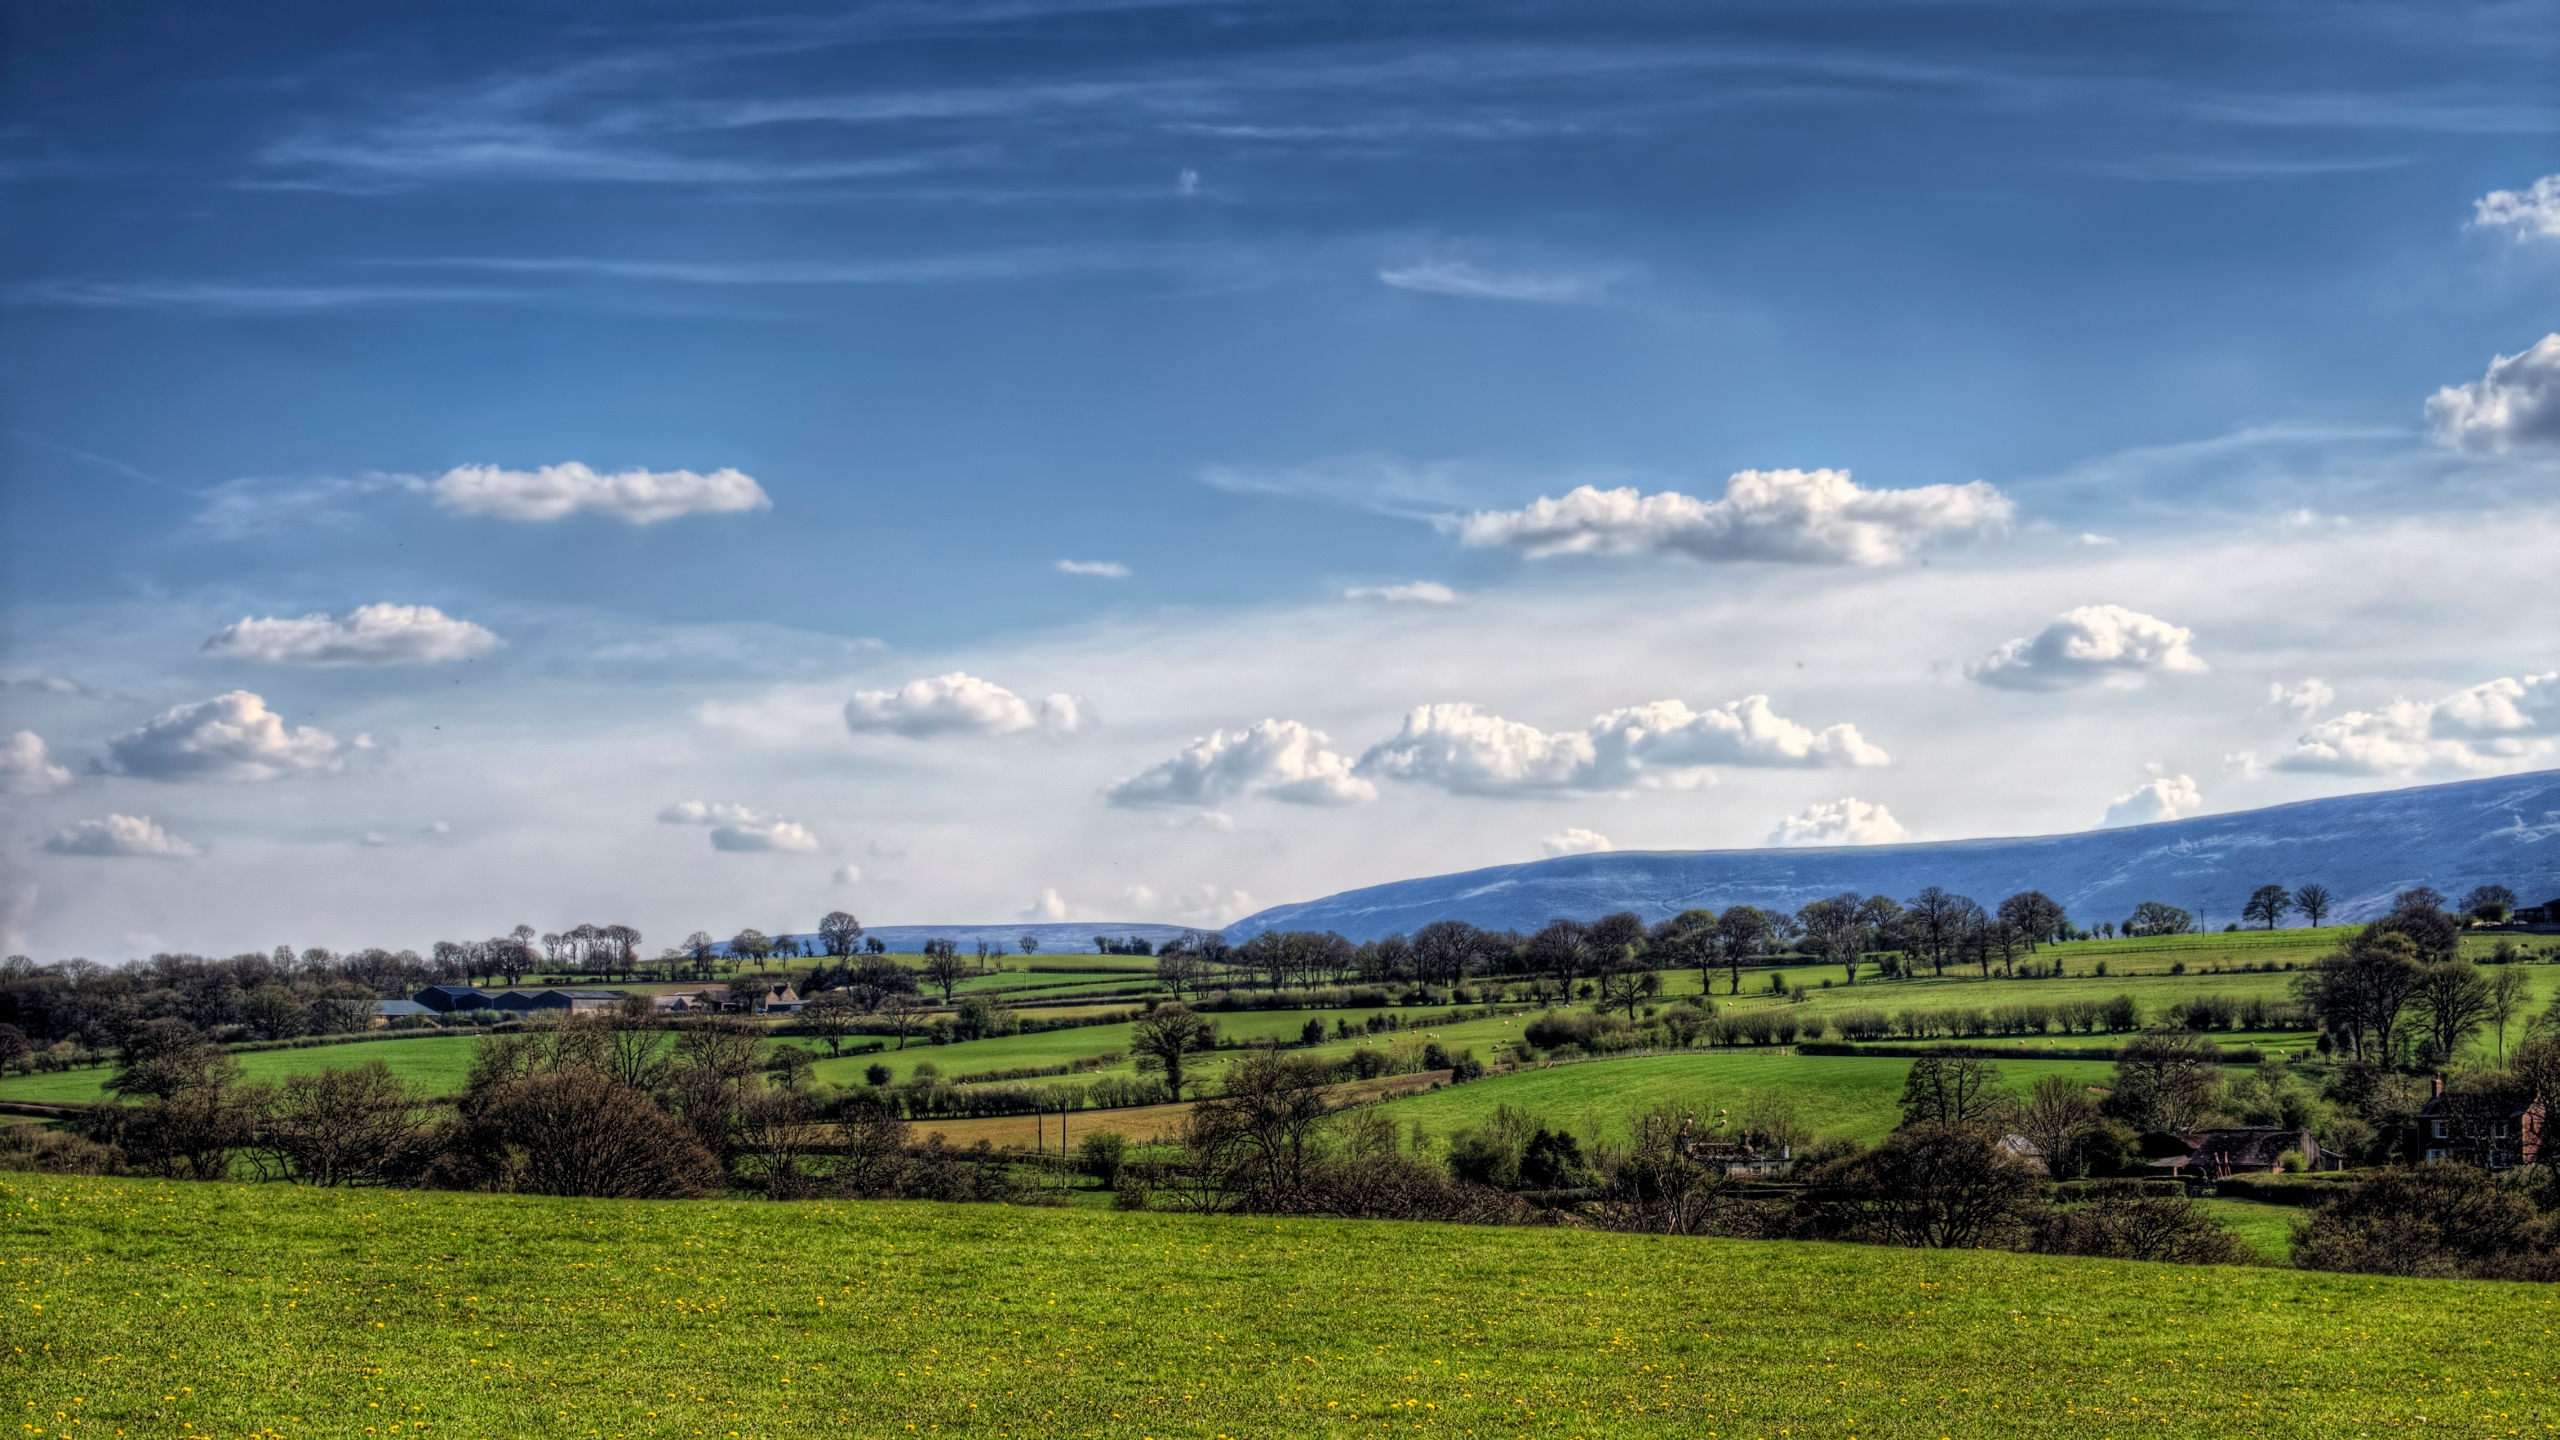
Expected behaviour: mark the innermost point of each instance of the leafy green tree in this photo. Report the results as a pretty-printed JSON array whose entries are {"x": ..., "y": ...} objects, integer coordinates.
[{"x": 2165, "y": 1080}]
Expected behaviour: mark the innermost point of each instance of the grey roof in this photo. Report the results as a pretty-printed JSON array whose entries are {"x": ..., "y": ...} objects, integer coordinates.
[{"x": 400, "y": 1007}]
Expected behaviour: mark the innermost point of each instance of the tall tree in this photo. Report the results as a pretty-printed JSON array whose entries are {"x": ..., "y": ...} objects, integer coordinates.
[
  {"x": 839, "y": 934},
  {"x": 2166, "y": 1080},
  {"x": 2510, "y": 990},
  {"x": 2452, "y": 1002},
  {"x": 1951, "y": 1090},
  {"x": 1933, "y": 919},
  {"x": 2038, "y": 916},
  {"x": 1166, "y": 1037},
  {"x": 2267, "y": 905},
  {"x": 2492, "y": 903},
  {"x": 943, "y": 966},
  {"x": 2314, "y": 901},
  {"x": 1741, "y": 931},
  {"x": 2361, "y": 989}
]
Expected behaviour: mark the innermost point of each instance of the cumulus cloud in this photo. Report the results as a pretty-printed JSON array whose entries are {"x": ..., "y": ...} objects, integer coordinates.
[
  {"x": 1281, "y": 759},
  {"x": 2515, "y": 406},
  {"x": 2499, "y": 725},
  {"x": 1419, "y": 592},
  {"x": 2162, "y": 797},
  {"x": 123, "y": 837},
  {"x": 2090, "y": 645},
  {"x": 1047, "y": 905},
  {"x": 958, "y": 704},
  {"x": 846, "y": 874},
  {"x": 1815, "y": 517},
  {"x": 741, "y": 827},
  {"x": 1456, "y": 277},
  {"x": 1462, "y": 749},
  {"x": 641, "y": 497},
  {"x": 2531, "y": 212},
  {"x": 369, "y": 635},
  {"x": 2305, "y": 700},
  {"x": 1575, "y": 841},
  {"x": 1846, "y": 821},
  {"x": 1105, "y": 569},
  {"x": 1199, "y": 905},
  {"x": 27, "y": 768},
  {"x": 232, "y": 736}
]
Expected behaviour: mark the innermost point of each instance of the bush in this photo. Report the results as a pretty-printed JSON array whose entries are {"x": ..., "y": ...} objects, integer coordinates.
[
  {"x": 2119, "y": 1221},
  {"x": 2436, "y": 1220},
  {"x": 878, "y": 1076},
  {"x": 1101, "y": 1155}
]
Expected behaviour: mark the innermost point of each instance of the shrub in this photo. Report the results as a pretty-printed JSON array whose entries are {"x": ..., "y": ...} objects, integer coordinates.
[
  {"x": 2435, "y": 1220},
  {"x": 2119, "y": 1221},
  {"x": 878, "y": 1076},
  {"x": 1101, "y": 1154}
]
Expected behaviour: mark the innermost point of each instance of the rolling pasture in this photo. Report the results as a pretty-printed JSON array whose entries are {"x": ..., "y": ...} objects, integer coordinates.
[{"x": 182, "y": 1309}]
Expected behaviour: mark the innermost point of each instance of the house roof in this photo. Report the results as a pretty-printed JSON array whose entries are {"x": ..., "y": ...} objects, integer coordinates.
[
  {"x": 2252, "y": 1147},
  {"x": 400, "y": 1007},
  {"x": 2479, "y": 1104}
]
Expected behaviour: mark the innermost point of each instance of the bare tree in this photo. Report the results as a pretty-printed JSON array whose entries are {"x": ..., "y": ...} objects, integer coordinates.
[
  {"x": 2452, "y": 1001},
  {"x": 1030, "y": 944},
  {"x": 839, "y": 934},
  {"x": 2268, "y": 905},
  {"x": 2060, "y": 1120},
  {"x": 342, "y": 1127},
  {"x": 1951, "y": 1090},
  {"x": 943, "y": 967},
  {"x": 2314, "y": 901},
  {"x": 2510, "y": 991}
]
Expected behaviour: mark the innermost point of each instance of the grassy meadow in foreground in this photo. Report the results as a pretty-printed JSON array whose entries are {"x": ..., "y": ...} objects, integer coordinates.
[{"x": 170, "y": 1309}]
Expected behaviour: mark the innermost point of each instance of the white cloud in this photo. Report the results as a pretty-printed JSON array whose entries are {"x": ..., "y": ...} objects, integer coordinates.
[
  {"x": 1575, "y": 841},
  {"x": 642, "y": 497},
  {"x": 1846, "y": 821},
  {"x": 1218, "y": 821},
  {"x": 1187, "y": 181},
  {"x": 741, "y": 827},
  {"x": 1105, "y": 569},
  {"x": 2500, "y": 725},
  {"x": 2517, "y": 404},
  {"x": 369, "y": 635},
  {"x": 1202, "y": 904},
  {"x": 1419, "y": 592},
  {"x": 1665, "y": 743},
  {"x": 885, "y": 850},
  {"x": 1048, "y": 905},
  {"x": 374, "y": 840},
  {"x": 1456, "y": 277},
  {"x": 958, "y": 704},
  {"x": 2091, "y": 644},
  {"x": 846, "y": 874},
  {"x": 2305, "y": 700},
  {"x": 2533, "y": 211},
  {"x": 27, "y": 768},
  {"x": 1281, "y": 759},
  {"x": 121, "y": 837},
  {"x": 2162, "y": 797},
  {"x": 232, "y": 736},
  {"x": 1816, "y": 517}
]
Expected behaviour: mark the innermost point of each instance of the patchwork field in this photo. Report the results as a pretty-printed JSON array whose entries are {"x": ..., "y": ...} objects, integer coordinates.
[{"x": 171, "y": 1309}]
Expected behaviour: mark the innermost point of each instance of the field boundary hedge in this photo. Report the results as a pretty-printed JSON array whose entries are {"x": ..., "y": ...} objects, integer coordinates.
[{"x": 1995, "y": 1052}]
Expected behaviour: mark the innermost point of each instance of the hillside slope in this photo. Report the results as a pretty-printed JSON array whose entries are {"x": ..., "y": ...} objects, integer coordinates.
[{"x": 2363, "y": 847}]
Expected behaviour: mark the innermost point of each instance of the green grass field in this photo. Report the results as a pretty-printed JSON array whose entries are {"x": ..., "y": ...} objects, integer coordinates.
[
  {"x": 165, "y": 1309},
  {"x": 437, "y": 1064},
  {"x": 1837, "y": 1096}
]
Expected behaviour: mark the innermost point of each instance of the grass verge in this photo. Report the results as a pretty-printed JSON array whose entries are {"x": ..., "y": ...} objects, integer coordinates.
[{"x": 171, "y": 1309}]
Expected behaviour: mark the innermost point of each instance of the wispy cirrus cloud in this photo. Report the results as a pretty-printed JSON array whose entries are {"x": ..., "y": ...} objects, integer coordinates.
[{"x": 1473, "y": 282}]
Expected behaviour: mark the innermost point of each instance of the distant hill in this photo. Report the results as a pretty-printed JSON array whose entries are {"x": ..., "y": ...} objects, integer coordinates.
[
  {"x": 2363, "y": 847},
  {"x": 1055, "y": 938}
]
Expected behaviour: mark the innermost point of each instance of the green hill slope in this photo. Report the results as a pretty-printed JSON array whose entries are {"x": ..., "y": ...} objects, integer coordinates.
[{"x": 175, "y": 1309}]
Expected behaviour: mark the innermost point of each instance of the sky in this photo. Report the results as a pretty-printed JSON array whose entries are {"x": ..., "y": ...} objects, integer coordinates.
[{"x": 705, "y": 466}]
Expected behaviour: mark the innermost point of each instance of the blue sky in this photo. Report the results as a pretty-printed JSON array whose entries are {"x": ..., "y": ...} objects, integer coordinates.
[{"x": 1295, "y": 314}]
